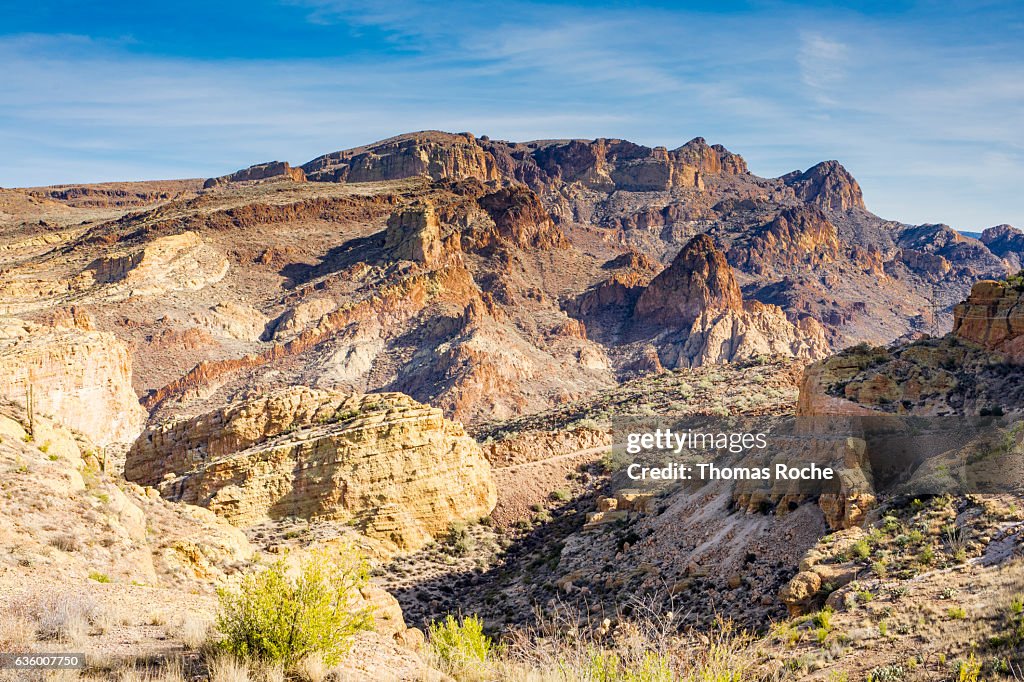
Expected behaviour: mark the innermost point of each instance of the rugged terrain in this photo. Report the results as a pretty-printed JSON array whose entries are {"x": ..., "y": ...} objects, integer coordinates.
[
  {"x": 416, "y": 350},
  {"x": 488, "y": 278}
]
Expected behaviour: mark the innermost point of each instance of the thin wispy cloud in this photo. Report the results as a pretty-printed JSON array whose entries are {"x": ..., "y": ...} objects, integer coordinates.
[
  {"x": 823, "y": 65},
  {"x": 926, "y": 123}
]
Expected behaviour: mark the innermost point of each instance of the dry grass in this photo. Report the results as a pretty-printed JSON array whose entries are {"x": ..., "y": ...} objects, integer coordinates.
[
  {"x": 226, "y": 668},
  {"x": 17, "y": 631},
  {"x": 192, "y": 630},
  {"x": 64, "y": 617},
  {"x": 569, "y": 647},
  {"x": 223, "y": 667},
  {"x": 172, "y": 671},
  {"x": 312, "y": 669}
]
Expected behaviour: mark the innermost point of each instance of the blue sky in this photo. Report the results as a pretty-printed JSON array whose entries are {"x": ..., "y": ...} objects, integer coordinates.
[{"x": 922, "y": 101}]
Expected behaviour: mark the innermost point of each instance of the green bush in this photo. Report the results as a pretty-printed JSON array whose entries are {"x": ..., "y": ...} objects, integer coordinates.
[
  {"x": 460, "y": 642},
  {"x": 606, "y": 666},
  {"x": 280, "y": 616},
  {"x": 823, "y": 619}
]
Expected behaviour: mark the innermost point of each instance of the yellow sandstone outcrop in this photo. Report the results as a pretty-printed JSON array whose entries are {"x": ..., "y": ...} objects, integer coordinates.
[
  {"x": 392, "y": 467},
  {"x": 82, "y": 379}
]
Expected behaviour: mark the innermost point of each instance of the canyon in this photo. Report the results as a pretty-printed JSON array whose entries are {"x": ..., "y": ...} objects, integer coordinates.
[{"x": 418, "y": 347}]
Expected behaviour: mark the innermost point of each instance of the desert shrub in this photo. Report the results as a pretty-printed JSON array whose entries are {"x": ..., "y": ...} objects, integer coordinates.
[
  {"x": 571, "y": 647},
  {"x": 66, "y": 542},
  {"x": 64, "y": 617},
  {"x": 280, "y": 616},
  {"x": 460, "y": 643},
  {"x": 887, "y": 673},
  {"x": 560, "y": 496},
  {"x": 823, "y": 619},
  {"x": 968, "y": 670},
  {"x": 605, "y": 666}
]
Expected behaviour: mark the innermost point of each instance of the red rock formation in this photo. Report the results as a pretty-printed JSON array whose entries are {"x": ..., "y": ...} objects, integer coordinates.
[
  {"x": 602, "y": 164},
  {"x": 698, "y": 279},
  {"x": 520, "y": 219},
  {"x": 993, "y": 317},
  {"x": 400, "y": 301},
  {"x": 827, "y": 185},
  {"x": 430, "y": 153}
]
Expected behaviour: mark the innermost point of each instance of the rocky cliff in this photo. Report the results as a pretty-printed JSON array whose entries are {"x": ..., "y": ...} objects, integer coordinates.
[
  {"x": 394, "y": 468},
  {"x": 698, "y": 279},
  {"x": 827, "y": 185},
  {"x": 600, "y": 164},
  {"x": 81, "y": 378},
  {"x": 176, "y": 262},
  {"x": 993, "y": 317},
  {"x": 260, "y": 171},
  {"x": 1007, "y": 242},
  {"x": 801, "y": 236},
  {"x": 974, "y": 369},
  {"x": 434, "y": 154},
  {"x": 698, "y": 294}
]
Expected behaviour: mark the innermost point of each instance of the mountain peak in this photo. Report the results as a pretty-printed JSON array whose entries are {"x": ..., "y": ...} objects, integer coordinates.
[
  {"x": 699, "y": 278},
  {"x": 828, "y": 185}
]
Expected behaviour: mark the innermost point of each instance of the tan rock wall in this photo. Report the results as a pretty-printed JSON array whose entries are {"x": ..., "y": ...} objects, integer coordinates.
[
  {"x": 80, "y": 378},
  {"x": 395, "y": 468}
]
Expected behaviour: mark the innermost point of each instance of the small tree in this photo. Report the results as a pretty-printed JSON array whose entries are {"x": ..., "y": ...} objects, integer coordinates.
[{"x": 277, "y": 615}]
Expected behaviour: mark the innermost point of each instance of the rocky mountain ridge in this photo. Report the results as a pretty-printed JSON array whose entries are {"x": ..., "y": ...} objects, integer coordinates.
[{"x": 506, "y": 274}]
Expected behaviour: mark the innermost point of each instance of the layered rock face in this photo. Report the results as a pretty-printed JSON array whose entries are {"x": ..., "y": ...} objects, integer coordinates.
[
  {"x": 601, "y": 164},
  {"x": 68, "y": 519},
  {"x": 414, "y": 233},
  {"x": 174, "y": 263},
  {"x": 512, "y": 216},
  {"x": 395, "y": 468},
  {"x": 993, "y": 317},
  {"x": 260, "y": 171},
  {"x": 699, "y": 294},
  {"x": 83, "y": 379},
  {"x": 827, "y": 185},
  {"x": 942, "y": 376},
  {"x": 609, "y": 164},
  {"x": 431, "y": 153}
]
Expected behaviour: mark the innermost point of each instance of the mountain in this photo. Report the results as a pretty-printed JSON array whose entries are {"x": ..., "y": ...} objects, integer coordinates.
[
  {"x": 413, "y": 351},
  {"x": 488, "y": 278}
]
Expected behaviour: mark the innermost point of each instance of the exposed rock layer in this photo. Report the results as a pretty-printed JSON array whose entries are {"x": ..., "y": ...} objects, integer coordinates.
[
  {"x": 81, "y": 378},
  {"x": 396, "y": 468}
]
